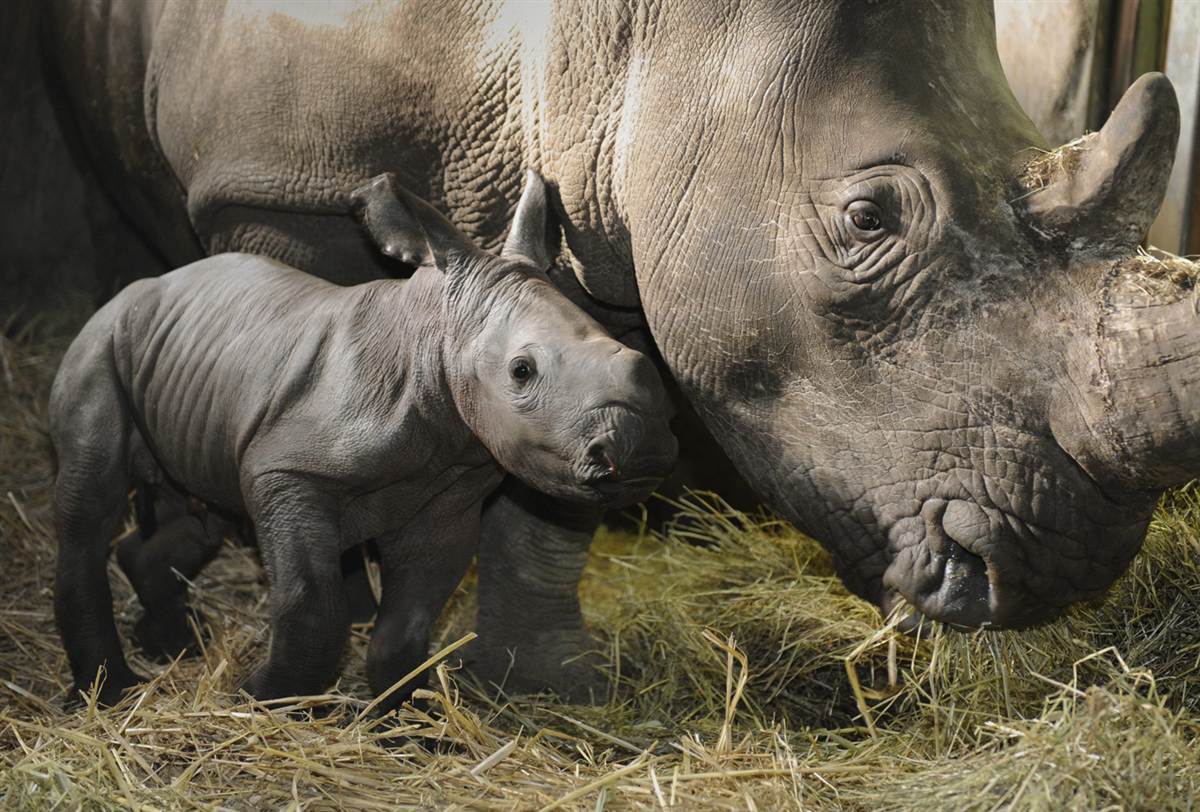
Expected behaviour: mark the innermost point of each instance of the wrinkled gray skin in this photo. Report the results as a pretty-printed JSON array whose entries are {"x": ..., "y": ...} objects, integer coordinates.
[
  {"x": 330, "y": 416},
  {"x": 810, "y": 210}
]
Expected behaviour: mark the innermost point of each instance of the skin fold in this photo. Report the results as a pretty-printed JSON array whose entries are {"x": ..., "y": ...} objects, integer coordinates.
[
  {"x": 329, "y": 416},
  {"x": 813, "y": 213}
]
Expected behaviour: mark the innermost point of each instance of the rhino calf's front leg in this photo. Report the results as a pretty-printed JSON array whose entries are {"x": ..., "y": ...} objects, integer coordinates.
[
  {"x": 299, "y": 536},
  {"x": 421, "y": 566}
]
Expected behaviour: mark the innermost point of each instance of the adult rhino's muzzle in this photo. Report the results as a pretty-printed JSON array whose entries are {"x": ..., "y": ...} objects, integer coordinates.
[
  {"x": 940, "y": 569},
  {"x": 969, "y": 570}
]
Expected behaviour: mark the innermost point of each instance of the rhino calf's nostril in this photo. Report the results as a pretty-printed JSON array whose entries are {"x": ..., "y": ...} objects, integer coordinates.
[{"x": 599, "y": 453}]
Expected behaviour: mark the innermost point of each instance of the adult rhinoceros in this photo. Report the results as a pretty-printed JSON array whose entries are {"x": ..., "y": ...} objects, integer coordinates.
[{"x": 810, "y": 209}]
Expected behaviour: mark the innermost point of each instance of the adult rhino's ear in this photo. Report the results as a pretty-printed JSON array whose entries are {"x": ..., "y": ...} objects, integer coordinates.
[
  {"x": 404, "y": 226},
  {"x": 529, "y": 239}
]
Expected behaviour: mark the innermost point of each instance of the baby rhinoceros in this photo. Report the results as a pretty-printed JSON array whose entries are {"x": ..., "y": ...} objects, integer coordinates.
[{"x": 328, "y": 416}]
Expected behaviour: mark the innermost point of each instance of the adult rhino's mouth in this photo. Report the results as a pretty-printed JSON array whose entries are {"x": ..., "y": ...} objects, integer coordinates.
[
  {"x": 935, "y": 570},
  {"x": 969, "y": 563},
  {"x": 934, "y": 566}
]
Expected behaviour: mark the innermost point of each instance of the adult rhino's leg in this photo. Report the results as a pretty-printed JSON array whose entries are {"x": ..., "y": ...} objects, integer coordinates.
[
  {"x": 531, "y": 634},
  {"x": 132, "y": 207}
]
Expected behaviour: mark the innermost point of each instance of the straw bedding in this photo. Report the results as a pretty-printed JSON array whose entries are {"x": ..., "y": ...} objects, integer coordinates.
[{"x": 743, "y": 677}]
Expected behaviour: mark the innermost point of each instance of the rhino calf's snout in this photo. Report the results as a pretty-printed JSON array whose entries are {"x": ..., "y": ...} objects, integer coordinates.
[
  {"x": 637, "y": 450},
  {"x": 625, "y": 442}
]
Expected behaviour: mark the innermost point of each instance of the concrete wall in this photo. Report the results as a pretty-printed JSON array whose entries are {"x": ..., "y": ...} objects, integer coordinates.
[
  {"x": 1177, "y": 228},
  {"x": 45, "y": 241},
  {"x": 1053, "y": 52}
]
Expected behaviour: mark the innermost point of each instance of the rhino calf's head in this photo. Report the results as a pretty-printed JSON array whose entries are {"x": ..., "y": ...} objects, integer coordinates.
[{"x": 555, "y": 399}]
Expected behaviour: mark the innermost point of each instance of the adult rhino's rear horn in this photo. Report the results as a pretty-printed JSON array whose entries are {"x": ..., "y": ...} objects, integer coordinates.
[{"x": 1110, "y": 193}]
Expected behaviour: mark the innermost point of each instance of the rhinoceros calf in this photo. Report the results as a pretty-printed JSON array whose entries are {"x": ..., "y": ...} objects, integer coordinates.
[{"x": 329, "y": 416}]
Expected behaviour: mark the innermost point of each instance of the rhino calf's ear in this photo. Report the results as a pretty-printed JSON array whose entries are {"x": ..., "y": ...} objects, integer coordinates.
[
  {"x": 529, "y": 238},
  {"x": 404, "y": 226},
  {"x": 389, "y": 222}
]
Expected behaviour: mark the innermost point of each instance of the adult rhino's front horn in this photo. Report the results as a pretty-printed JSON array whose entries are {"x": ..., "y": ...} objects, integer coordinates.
[
  {"x": 1134, "y": 370},
  {"x": 1107, "y": 190}
]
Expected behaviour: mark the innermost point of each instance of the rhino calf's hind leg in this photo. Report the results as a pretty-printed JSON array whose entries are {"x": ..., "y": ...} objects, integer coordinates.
[
  {"x": 89, "y": 503},
  {"x": 357, "y": 584},
  {"x": 159, "y": 567}
]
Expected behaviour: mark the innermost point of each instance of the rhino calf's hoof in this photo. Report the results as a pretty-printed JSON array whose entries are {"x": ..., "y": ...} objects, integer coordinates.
[{"x": 163, "y": 636}]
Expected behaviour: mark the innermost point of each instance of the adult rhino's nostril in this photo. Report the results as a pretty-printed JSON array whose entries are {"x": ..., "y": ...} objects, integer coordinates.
[
  {"x": 599, "y": 452},
  {"x": 966, "y": 523}
]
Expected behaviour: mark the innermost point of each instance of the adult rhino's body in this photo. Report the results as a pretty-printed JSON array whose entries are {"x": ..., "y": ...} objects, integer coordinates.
[{"x": 811, "y": 209}]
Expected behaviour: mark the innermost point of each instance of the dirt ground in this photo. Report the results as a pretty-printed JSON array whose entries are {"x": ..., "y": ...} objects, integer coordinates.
[{"x": 743, "y": 676}]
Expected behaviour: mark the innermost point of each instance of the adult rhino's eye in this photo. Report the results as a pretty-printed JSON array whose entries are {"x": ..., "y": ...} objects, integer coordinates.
[
  {"x": 865, "y": 217},
  {"x": 521, "y": 369}
]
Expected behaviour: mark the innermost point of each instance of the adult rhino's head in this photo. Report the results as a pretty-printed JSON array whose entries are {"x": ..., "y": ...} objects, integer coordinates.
[{"x": 956, "y": 384}]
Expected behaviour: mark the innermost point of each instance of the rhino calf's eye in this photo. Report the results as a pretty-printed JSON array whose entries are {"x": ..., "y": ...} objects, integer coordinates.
[
  {"x": 865, "y": 217},
  {"x": 521, "y": 369}
]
